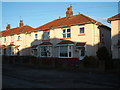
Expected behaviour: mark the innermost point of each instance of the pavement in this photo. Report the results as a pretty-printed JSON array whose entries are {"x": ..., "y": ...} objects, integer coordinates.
[{"x": 19, "y": 76}]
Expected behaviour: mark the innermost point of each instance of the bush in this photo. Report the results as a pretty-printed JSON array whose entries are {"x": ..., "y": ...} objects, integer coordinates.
[
  {"x": 103, "y": 54},
  {"x": 90, "y": 61}
]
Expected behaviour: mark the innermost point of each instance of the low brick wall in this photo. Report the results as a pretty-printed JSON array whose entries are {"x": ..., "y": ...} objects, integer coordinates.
[{"x": 56, "y": 63}]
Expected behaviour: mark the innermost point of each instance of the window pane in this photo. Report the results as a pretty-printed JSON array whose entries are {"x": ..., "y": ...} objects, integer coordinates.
[
  {"x": 46, "y": 35},
  {"x": 64, "y": 51},
  {"x": 64, "y": 31},
  {"x": 45, "y": 51},
  {"x": 82, "y": 30},
  {"x": 18, "y": 37},
  {"x": 68, "y": 35},
  {"x": 83, "y": 52},
  {"x": 68, "y": 30},
  {"x": 36, "y": 36},
  {"x": 64, "y": 35},
  {"x": 4, "y": 39},
  {"x": 69, "y": 54}
]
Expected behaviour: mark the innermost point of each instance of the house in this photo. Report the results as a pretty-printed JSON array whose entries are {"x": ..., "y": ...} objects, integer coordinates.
[
  {"x": 73, "y": 36},
  {"x": 115, "y": 24},
  {"x": 14, "y": 40}
]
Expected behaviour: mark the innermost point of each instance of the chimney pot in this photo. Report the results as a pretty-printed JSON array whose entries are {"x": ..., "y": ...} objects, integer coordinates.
[
  {"x": 69, "y": 12},
  {"x": 21, "y": 23},
  {"x": 8, "y": 27}
]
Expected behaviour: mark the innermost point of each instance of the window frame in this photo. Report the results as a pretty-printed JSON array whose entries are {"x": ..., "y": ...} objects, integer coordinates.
[
  {"x": 68, "y": 51},
  {"x": 18, "y": 38},
  {"x": 50, "y": 50},
  {"x": 80, "y": 30},
  {"x": 36, "y": 37},
  {"x": 65, "y": 33},
  {"x": 47, "y": 34}
]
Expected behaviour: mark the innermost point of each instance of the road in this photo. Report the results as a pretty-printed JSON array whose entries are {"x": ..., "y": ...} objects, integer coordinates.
[{"x": 19, "y": 76}]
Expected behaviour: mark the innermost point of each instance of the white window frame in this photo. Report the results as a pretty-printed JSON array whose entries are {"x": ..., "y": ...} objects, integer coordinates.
[
  {"x": 18, "y": 37},
  {"x": 35, "y": 36},
  {"x": 65, "y": 33},
  {"x": 50, "y": 48},
  {"x": 79, "y": 29},
  {"x": 67, "y": 51}
]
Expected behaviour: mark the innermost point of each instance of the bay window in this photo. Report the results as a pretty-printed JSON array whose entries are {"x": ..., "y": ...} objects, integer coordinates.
[
  {"x": 45, "y": 51},
  {"x": 65, "y": 51}
]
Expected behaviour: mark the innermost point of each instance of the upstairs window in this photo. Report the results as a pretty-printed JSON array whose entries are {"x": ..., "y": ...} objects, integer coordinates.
[
  {"x": 36, "y": 36},
  {"x": 67, "y": 33},
  {"x": 82, "y": 30},
  {"x": 18, "y": 37},
  {"x": 46, "y": 35},
  {"x": 5, "y": 39}
]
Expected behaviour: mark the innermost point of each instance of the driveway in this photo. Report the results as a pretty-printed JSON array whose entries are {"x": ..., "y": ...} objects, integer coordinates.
[{"x": 19, "y": 76}]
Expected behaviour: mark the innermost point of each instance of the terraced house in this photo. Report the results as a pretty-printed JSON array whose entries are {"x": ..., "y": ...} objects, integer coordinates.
[
  {"x": 115, "y": 24},
  {"x": 73, "y": 36}
]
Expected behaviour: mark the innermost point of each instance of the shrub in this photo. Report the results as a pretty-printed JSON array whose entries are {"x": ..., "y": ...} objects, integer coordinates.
[
  {"x": 103, "y": 54},
  {"x": 90, "y": 61}
]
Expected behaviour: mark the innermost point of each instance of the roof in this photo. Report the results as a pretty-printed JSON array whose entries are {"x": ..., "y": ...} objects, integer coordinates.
[
  {"x": 66, "y": 42},
  {"x": 46, "y": 43},
  {"x": 11, "y": 44},
  {"x": 116, "y": 17},
  {"x": 65, "y": 21},
  {"x": 34, "y": 46},
  {"x": 17, "y": 30},
  {"x": 80, "y": 44},
  {"x": 79, "y": 19},
  {"x": 2, "y": 45}
]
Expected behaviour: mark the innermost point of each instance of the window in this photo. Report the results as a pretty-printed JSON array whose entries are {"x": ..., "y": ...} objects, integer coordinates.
[
  {"x": 5, "y": 39},
  {"x": 46, "y": 51},
  {"x": 18, "y": 37},
  {"x": 67, "y": 33},
  {"x": 65, "y": 51},
  {"x": 36, "y": 36},
  {"x": 82, "y": 30},
  {"x": 35, "y": 52},
  {"x": 46, "y": 35},
  {"x": 83, "y": 51}
]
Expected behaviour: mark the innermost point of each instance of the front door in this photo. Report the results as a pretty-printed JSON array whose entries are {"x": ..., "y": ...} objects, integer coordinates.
[{"x": 81, "y": 53}]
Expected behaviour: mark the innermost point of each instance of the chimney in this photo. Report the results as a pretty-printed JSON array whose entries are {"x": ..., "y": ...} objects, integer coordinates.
[
  {"x": 69, "y": 12},
  {"x": 8, "y": 27},
  {"x": 21, "y": 23}
]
